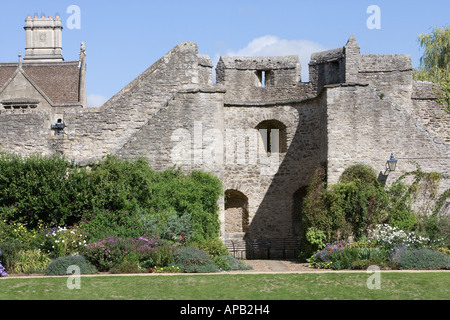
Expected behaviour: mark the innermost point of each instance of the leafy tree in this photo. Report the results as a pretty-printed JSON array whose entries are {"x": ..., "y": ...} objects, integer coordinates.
[{"x": 435, "y": 62}]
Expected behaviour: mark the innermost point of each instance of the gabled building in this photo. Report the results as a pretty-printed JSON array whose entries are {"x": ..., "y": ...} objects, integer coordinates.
[{"x": 43, "y": 81}]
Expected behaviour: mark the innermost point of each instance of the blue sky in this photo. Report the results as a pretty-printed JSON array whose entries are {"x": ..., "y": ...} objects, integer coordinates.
[{"x": 124, "y": 38}]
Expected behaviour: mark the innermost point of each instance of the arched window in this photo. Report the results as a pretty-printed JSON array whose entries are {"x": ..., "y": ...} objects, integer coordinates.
[
  {"x": 273, "y": 135},
  {"x": 236, "y": 212}
]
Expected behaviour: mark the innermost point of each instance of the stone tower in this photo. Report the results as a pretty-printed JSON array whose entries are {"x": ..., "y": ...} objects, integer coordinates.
[{"x": 43, "y": 39}]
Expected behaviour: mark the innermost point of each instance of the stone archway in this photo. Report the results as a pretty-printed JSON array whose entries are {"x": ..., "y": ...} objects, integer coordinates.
[{"x": 236, "y": 212}]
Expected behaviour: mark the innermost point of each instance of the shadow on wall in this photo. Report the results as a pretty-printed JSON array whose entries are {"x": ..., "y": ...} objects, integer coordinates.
[{"x": 277, "y": 221}]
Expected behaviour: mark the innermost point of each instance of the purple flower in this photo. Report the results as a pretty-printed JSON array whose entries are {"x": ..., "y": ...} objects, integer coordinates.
[{"x": 3, "y": 272}]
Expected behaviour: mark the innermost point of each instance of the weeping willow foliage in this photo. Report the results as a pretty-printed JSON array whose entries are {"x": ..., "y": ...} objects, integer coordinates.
[{"x": 435, "y": 62}]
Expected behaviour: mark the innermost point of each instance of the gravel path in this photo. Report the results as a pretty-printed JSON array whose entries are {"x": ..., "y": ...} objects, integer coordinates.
[
  {"x": 258, "y": 267},
  {"x": 287, "y": 266}
]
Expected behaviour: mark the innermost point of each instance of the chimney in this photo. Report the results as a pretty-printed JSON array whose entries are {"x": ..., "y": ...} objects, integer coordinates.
[{"x": 43, "y": 39}]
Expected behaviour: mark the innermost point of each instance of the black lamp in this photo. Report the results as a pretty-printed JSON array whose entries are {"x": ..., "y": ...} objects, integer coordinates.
[{"x": 391, "y": 163}]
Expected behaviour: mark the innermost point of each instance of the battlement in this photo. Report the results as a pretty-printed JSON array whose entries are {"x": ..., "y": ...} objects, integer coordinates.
[
  {"x": 259, "y": 71},
  {"x": 384, "y": 63}
]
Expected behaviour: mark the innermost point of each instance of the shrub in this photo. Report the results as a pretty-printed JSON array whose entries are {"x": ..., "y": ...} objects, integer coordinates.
[
  {"x": 30, "y": 261},
  {"x": 193, "y": 260},
  {"x": 388, "y": 237},
  {"x": 61, "y": 242},
  {"x": 39, "y": 189},
  {"x": 316, "y": 238},
  {"x": 143, "y": 252},
  {"x": 59, "y": 266},
  {"x": 214, "y": 247},
  {"x": 355, "y": 256},
  {"x": 325, "y": 257},
  {"x": 55, "y": 192},
  {"x": 168, "y": 269},
  {"x": 228, "y": 263},
  {"x": 127, "y": 267},
  {"x": 3, "y": 271},
  {"x": 422, "y": 258},
  {"x": 168, "y": 223},
  {"x": 9, "y": 252},
  {"x": 104, "y": 223},
  {"x": 436, "y": 228},
  {"x": 347, "y": 208},
  {"x": 17, "y": 231}
]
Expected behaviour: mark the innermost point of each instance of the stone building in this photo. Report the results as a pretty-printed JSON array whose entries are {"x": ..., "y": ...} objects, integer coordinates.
[
  {"x": 259, "y": 128},
  {"x": 43, "y": 81}
]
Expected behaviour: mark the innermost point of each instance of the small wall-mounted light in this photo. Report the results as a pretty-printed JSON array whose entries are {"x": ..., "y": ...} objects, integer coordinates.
[
  {"x": 391, "y": 164},
  {"x": 59, "y": 127}
]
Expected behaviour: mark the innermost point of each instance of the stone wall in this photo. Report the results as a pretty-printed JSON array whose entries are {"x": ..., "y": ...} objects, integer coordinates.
[
  {"x": 271, "y": 192},
  {"x": 355, "y": 109},
  {"x": 365, "y": 128}
]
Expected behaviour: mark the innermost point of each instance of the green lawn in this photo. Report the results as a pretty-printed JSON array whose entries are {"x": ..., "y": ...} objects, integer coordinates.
[{"x": 326, "y": 286}]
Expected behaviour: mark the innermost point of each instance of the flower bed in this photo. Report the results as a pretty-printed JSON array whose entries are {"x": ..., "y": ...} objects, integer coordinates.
[{"x": 388, "y": 247}]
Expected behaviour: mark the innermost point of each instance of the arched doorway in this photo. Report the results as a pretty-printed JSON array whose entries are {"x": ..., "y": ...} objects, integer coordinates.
[
  {"x": 297, "y": 207},
  {"x": 236, "y": 212}
]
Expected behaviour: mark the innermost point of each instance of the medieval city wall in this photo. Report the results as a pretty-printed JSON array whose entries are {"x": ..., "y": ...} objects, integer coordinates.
[{"x": 355, "y": 109}]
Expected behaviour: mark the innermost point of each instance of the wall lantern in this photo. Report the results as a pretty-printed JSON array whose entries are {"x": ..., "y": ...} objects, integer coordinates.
[
  {"x": 59, "y": 127},
  {"x": 391, "y": 163}
]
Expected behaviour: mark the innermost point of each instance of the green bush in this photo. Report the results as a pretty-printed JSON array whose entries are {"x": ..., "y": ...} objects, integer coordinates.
[
  {"x": 229, "y": 263},
  {"x": 214, "y": 247},
  {"x": 9, "y": 252},
  {"x": 168, "y": 223},
  {"x": 422, "y": 259},
  {"x": 52, "y": 191},
  {"x": 143, "y": 252},
  {"x": 39, "y": 190},
  {"x": 347, "y": 208},
  {"x": 193, "y": 260},
  {"x": 30, "y": 261},
  {"x": 61, "y": 242},
  {"x": 338, "y": 256},
  {"x": 127, "y": 267},
  {"x": 106, "y": 223},
  {"x": 59, "y": 266},
  {"x": 436, "y": 228}
]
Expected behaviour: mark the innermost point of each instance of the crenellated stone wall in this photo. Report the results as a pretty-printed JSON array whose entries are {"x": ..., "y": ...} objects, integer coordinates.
[{"x": 259, "y": 128}]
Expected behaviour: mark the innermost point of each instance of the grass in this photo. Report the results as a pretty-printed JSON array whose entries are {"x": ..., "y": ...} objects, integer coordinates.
[{"x": 326, "y": 286}]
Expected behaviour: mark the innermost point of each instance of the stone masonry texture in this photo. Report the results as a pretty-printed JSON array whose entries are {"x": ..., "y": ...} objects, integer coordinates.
[{"x": 355, "y": 109}]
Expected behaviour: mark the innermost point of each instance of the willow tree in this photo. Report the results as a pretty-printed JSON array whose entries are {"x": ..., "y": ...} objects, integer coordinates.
[{"x": 435, "y": 62}]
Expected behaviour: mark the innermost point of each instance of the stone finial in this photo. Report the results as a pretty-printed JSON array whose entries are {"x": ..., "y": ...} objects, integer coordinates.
[
  {"x": 82, "y": 50},
  {"x": 352, "y": 58},
  {"x": 20, "y": 60},
  {"x": 352, "y": 42}
]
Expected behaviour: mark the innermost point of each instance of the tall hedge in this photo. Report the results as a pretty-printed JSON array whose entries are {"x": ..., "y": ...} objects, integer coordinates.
[{"x": 54, "y": 191}]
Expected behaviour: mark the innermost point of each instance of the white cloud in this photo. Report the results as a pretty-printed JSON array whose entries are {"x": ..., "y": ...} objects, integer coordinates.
[
  {"x": 96, "y": 100},
  {"x": 274, "y": 46}
]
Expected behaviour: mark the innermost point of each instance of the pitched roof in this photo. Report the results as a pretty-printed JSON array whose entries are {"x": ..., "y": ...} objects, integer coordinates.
[{"x": 60, "y": 81}]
